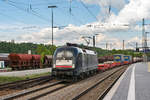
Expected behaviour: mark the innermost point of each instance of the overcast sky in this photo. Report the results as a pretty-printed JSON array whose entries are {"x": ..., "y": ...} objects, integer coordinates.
[{"x": 30, "y": 21}]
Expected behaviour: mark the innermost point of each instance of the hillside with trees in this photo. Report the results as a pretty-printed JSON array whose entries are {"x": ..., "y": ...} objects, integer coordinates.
[
  {"x": 41, "y": 49},
  {"x": 8, "y": 47}
]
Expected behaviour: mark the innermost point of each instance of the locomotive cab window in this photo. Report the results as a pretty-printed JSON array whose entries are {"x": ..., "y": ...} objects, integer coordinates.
[{"x": 65, "y": 57}]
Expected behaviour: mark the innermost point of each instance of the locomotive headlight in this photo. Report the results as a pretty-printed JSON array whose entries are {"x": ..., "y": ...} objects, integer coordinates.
[
  {"x": 54, "y": 66},
  {"x": 73, "y": 66}
]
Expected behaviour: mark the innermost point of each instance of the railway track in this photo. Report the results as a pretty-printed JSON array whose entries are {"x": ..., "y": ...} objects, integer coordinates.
[
  {"x": 43, "y": 90},
  {"x": 37, "y": 92},
  {"x": 92, "y": 91},
  {"x": 22, "y": 83},
  {"x": 12, "y": 87},
  {"x": 104, "y": 93}
]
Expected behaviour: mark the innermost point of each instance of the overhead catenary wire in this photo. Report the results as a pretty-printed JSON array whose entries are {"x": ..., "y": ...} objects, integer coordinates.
[
  {"x": 88, "y": 10},
  {"x": 75, "y": 18},
  {"x": 33, "y": 12},
  {"x": 78, "y": 20},
  {"x": 10, "y": 17}
]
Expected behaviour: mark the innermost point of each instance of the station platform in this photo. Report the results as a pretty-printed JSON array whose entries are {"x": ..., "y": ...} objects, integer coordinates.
[
  {"x": 134, "y": 84},
  {"x": 25, "y": 72}
]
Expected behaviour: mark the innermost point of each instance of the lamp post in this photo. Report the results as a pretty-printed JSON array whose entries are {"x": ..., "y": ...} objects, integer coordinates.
[
  {"x": 95, "y": 39},
  {"x": 52, "y": 20}
]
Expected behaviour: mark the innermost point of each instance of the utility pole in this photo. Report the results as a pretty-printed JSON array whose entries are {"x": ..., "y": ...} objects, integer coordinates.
[
  {"x": 52, "y": 20},
  {"x": 106, "y": 45},
  {"x": 143, "y": 35},
  {"x": 144, "y": 40},
  {"x": 136, "y": 45},
  {"x": 123, "y": 45},
  {"x": 94, "y": 41}
]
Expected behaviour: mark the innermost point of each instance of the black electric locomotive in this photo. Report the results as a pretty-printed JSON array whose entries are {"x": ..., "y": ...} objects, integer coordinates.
[{"x": 70, "y": 62}]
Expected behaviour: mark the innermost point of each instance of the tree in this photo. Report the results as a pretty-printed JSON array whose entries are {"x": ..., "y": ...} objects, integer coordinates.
[{"x": 45, "y": 50}]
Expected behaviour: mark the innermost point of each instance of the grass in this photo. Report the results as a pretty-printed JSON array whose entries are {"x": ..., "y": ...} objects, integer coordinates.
[{"x": 7, "y": 79}]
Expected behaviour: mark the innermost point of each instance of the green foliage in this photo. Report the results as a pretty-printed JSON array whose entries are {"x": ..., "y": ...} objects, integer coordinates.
[
  {"x": 102, "y": 52},
  {"x": 45, "y": 50},
  {"x": 41, "y": 49},
  {"x": 8, "y": 47}
]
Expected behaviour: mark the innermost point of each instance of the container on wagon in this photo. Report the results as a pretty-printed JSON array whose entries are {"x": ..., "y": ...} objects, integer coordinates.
[
  {"x": 119, "y": 59},
  {"x": 127, "y": 59}
]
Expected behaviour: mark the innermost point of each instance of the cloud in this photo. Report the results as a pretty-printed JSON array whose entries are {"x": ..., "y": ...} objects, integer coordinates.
[
  {"x": 44, "y": 35},
  {"x": 128, "y": 13},
  {"x": 74, "y": 34},
  {"x": 70, "y": 33},
  {"x": 105, "y": 3},
  {"x": 131, "y": 43},
  {"x": 121, "y": 22},
  {"x": 134, "y": 11},
  {"x": 135, "y": 39},
  {"x": 104, "y": 6}
]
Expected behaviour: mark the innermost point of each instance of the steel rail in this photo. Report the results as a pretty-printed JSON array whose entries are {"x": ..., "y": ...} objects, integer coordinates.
[
  {"x": 96, "y": 84},
  {"x": 108, "y": 88},
  {"x": 24, "y": 92},
  {"x": 21, "y": 83},
  {"x": 49, "y": 92}
]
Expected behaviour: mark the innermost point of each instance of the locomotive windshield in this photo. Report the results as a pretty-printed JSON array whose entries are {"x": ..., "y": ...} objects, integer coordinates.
[
  {"x": 64, "y": 57},
  {"x": 65, "y": 53}
]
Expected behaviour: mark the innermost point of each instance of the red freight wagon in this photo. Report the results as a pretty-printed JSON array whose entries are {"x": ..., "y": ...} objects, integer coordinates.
[
  {"x": 24, "y": 61},
  {"x": 101, "y": 67},
  {"x": 108, "y": 64},
  {"x": 36, "y": 61},
  {"x": 20, "y": 61}
]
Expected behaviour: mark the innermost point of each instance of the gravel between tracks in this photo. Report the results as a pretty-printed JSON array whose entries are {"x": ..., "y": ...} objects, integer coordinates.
[
  {"x": 71, "y": 91},
  {"x": 98, "y": 90},
  {"x": 8, "y": 92},
  {"x": 39, "y": 92}
]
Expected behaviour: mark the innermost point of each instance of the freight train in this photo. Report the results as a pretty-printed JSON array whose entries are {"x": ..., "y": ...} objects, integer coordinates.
[
  {"x": 118, "y": 60},
  {"x": 72, "y": 62},
  {"x": 82, "y": 62}
]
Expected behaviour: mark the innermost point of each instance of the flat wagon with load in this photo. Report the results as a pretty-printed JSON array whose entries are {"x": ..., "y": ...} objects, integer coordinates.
[
  {"x": 119, "y": 59},
  {"x": 127, "y": 59}
]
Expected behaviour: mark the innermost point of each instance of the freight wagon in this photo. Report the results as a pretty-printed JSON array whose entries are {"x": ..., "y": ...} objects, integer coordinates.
[
  {"x": 127, "y": 59},
  {"x": 119, "y": 59},
  {"x": 24, "y": 61}
]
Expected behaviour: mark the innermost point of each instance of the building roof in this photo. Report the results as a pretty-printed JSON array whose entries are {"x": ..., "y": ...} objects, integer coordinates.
[{"x": 4, "y": 55}]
